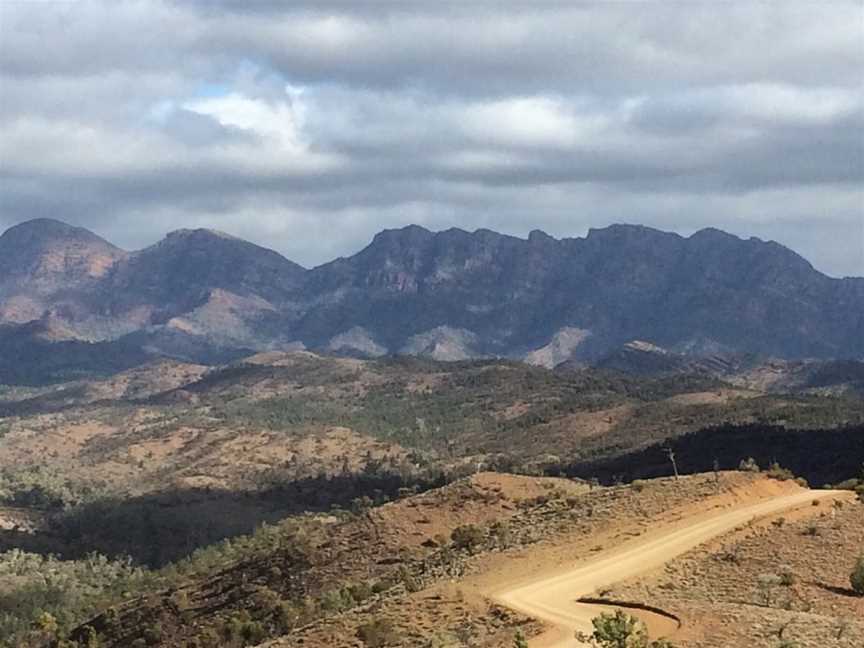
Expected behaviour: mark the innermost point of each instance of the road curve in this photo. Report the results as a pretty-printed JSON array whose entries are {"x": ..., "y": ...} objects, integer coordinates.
[{"x": 554, "y": 599}]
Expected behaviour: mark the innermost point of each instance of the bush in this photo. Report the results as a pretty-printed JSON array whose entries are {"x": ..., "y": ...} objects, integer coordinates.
[
  {"x": 811, "y": 530},
  {"x": 620, "y": 630},
  {"x": 748, "y": 465},
  {"x": 776, "y": 471},
  {"x": 787, "y": 577},
  {"x": 849, "y": 484},
  {"x": 378, "y": 633},
  {"x": 241, "y": 629},
  {"x": 153, "y": 634},
  {"x": 468, "y": 537},
  {"x": 856, "y": 578}
]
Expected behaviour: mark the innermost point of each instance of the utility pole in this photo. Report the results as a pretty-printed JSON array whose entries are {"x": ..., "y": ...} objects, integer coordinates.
[{"x": 671, "y": 454}]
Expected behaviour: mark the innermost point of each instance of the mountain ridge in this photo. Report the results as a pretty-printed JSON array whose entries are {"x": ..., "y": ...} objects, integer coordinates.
[{"x": 451, "y": 294}]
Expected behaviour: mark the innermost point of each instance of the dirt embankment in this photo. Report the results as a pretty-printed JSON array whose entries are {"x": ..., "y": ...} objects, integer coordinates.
[
  {"x": 555, "y": 599},
  {"x": 787, "y": 578}
]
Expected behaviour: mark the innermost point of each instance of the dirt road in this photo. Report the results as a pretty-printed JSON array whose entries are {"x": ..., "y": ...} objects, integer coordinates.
[{"x": 554, "y": 599}]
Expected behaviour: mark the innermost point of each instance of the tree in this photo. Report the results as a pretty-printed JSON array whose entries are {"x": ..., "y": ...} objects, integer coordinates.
[
  {"x": 671, "y": 454},
  {"x": 856, "y": 578}
]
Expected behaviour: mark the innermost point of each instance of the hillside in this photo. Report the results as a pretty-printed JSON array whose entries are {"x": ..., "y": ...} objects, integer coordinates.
[
  {"x": 157, "y": 449},
  {"x": 426, "y": 569},
  {"x": 164, "y": 469},
  {"x": 204, "y": 296}
]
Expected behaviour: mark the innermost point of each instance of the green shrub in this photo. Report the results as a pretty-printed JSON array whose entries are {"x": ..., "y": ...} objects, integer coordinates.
[
  {"x": 776, "y": 471},
  {"x": 856, "y": 578},
  {"x": 336, "y": 600},
  {"x": 787, "y": 577},
  {"x": 468, "y": 537},
  {"x": 153, "y": 634},
  {"x": 243, "y": 630},
  {"x": 849, "y": 484},
  {"x": 748, "y": 465},
  {"x": 620, "y": 630}
]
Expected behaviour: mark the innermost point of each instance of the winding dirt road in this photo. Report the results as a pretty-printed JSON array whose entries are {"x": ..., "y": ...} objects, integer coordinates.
[{"x": 554, "y": 599}]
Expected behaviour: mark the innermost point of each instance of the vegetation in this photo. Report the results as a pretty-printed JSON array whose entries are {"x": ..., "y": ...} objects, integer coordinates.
[
  {"x": 776, "y": 471},
  {"x": 444, "y": 418},
  {"x": 378, "y": 633},
  {"x": 44, "y": 488},
  {"x": 50, "y": 596},
  {"x": 620, "y": 630},
  {"x": 748, "y": 465},
  {"x": 856, "y": 578},
  {"x": 469, "y": 537},
  {"x": 819, "y": 455}
]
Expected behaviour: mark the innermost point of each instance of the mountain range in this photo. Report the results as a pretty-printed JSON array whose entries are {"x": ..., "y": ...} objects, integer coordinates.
[{"x": 206, "y": 296}]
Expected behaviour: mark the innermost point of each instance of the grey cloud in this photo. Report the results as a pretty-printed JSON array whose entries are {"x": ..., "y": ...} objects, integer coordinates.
[{"x": 501, "y": 115}]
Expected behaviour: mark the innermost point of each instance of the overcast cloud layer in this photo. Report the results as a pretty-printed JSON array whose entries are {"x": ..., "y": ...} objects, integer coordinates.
[{"x": 308, "y": 130}]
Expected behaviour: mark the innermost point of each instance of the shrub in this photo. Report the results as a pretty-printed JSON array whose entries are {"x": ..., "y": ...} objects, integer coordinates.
[
  {"x": 620, "y": 630},
  {"x": 336, "y": 600},
  {"x": 748, "y": 465},
  {"x": 811, "y": 530},
  {"x": 776, "y": 471},
  {"x": 787, "y": 577},
  {"x": 153, "y": 634},
  {"x": 241, "y": 629},
  {"x": 360, "y": 591},
  {"x": 849, "y": 484},
  {"x": 378, "y": 633},
  {"x": 468, "y": 537},
  {"x": 502, "y": 534},
  {"x": 856, "y": 578}
]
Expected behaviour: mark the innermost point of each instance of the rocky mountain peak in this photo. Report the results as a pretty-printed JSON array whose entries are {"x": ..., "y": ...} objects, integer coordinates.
[{"x": 46, "y": 255}]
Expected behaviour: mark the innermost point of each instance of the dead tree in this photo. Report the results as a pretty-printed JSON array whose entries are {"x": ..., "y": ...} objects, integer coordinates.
[{"x": 671, "y": 454}]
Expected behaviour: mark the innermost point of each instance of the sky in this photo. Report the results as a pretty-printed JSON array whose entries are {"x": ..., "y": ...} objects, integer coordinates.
[{"x": 307, "y": 127}]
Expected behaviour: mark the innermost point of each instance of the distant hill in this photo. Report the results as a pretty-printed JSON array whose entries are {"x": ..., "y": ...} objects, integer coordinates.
[
  {"x": 451, "y": 295},
  {"x": 743, "y": 370}
]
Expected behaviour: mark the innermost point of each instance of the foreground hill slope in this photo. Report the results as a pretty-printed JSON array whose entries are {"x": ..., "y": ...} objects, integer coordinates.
[
  {"x": 159, "y": 463},
  {"x": 448, "y": 295},
  {"x": 412, "y": 573}
]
